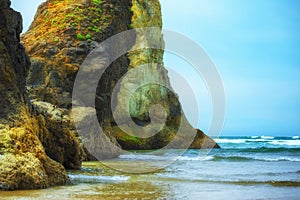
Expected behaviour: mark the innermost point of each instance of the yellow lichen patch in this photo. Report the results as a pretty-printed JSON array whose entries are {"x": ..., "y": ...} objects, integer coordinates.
[
  {"x": 147, "y": 14},
  {"x": 59, "y": 22},
  {"x": 23, "y": 161},
  {"x": 22, "y": 171}
]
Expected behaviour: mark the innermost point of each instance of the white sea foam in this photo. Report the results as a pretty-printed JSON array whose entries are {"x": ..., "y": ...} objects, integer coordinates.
[
  {"x": 163, "y": 158},
  {"x": 286, "y": 142},
  {"x": 254, "y": 137},
  {"x": 230, "y": 140},
  {"x": 267, "y": 137},
  {"x": 295, "y": 137},
  {"x": 143, "y": 157},
  {"x": 256, "y": 140},
  {"x": 278, "y": 159},
  {"x": 100, "y": 179},
  {"x": 257, "y": 158},
  {"x": 200, "y": 158}
]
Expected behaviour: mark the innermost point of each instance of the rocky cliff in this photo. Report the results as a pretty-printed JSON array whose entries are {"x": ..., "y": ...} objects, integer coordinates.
[
  {"x": 64, "y": 33},
  {"x": 38, "y": 135},
  {"x": 23, "y": 161}
]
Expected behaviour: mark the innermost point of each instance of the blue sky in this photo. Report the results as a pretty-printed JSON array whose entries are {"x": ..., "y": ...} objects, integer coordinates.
[{"x": 255, "y": 46}]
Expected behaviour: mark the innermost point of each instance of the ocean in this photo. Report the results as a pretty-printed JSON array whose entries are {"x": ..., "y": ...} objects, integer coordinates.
[{"x": 256, "y": 167}]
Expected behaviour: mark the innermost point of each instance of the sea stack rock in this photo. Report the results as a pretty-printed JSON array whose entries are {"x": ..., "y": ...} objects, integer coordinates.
[
  {"x": 62, "y": 35},
  {"x": 38, "y": 138},
  {"x": 23, "y": 161}
]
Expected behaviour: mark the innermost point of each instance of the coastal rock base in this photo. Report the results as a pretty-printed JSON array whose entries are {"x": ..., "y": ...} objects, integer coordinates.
[{"x": 23, "y": 160}]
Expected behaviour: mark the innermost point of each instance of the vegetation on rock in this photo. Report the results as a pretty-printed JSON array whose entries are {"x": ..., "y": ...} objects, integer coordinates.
[
  {"x": 38, "y": 138},
  {"x": 80, "y": 27}
]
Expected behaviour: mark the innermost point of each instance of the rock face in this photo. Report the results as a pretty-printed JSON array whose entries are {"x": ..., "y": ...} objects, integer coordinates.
[
  {"x": 38, "y": 139},
  {"x": 62, "y": 34},
  {"x": 60, "y": 38},
  {"x": 142, "y": 97},
  {"x": 23, "y": 161}
]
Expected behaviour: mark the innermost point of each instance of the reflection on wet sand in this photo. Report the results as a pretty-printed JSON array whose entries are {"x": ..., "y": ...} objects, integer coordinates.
[
  {"x": 95, "y": 181},
  {"x": 128, "y": 190}
]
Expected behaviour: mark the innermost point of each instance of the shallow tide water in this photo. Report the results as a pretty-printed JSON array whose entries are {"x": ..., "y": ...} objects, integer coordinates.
[{"x": 245, "y": 168}]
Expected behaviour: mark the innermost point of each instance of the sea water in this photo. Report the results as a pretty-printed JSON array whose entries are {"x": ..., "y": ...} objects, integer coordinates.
[{"x": 256, "y": 167}]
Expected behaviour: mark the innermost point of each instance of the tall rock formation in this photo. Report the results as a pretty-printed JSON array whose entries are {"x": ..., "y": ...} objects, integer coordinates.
[
  {"x": 37, "y": 133},
  {"x": 64, "y": 33},
  {"x": 23, "y": 161}
]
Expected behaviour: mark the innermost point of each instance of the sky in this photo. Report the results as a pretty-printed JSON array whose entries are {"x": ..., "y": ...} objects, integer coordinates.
[{"x": 255, "y": 46}]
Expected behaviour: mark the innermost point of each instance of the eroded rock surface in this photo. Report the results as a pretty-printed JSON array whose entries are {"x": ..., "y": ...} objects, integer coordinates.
[
  {"x": 38, "y": 138},
  {"x": 65, "y": 32},
  {"x": 23, "y": 161}
]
